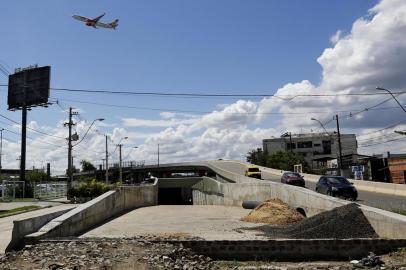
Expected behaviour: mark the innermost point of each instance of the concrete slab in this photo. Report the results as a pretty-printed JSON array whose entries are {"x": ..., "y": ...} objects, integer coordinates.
[
  {"x": 210, "y": 222},
  {"x": 6, "y": 223}
]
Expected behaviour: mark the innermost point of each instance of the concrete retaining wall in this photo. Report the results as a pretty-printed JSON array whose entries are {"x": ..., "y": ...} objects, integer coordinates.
[
  {"x": 296, "y": 250},
  {"x": 211, "y": 192},
  {"x": 98, "y": 210},
  {"x": 23, "y": 227}
]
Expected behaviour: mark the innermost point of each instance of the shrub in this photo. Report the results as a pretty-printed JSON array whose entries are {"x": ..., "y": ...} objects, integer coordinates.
[{"x": 89, "y": 189}]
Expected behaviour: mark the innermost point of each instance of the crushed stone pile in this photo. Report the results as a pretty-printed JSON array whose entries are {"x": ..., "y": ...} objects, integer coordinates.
[
  {"x": 273, "y": 211},
  {"x": 342, "y": 222}
]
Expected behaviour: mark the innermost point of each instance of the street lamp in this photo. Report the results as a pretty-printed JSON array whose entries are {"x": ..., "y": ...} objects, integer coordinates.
[
  {"x": 121, "y": 168},
  {"x": 321, "y": 124},
  {"x": 383, "y": 89}
]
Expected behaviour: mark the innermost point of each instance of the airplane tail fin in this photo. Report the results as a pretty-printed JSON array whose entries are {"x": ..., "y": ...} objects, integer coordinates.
[{"x": 114, "y": 24}]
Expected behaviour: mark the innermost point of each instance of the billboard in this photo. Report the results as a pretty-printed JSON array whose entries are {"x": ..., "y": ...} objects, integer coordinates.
[{"x": 29, "y": 87}]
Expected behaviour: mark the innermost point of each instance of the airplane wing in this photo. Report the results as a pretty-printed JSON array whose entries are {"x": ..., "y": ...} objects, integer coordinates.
[
  {"x": 80, "y": 18},
  {"x": 98, "y": 18}
]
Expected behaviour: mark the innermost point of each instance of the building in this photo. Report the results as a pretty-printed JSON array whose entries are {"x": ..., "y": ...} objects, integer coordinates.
[
  {"x": 317, "y": 148},
  {"x": 397, "y": 168}
]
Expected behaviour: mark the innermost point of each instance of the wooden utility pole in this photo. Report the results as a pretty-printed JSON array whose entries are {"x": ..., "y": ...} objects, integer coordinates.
[{"x": 70, "y": 124}]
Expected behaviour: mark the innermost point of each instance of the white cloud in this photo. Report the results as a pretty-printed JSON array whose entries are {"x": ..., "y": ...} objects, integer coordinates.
[{"x": 336, "y": 37}]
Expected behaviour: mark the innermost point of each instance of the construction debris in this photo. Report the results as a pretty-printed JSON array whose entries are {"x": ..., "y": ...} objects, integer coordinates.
[{"x": 342, "y": 222}]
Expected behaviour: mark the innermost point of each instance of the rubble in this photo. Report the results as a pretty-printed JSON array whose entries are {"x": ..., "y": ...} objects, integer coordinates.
[{"x": 128, "y": 253}]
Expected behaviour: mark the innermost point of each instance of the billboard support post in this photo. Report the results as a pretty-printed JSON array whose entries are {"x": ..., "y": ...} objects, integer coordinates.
[{"x": 23, "y": 142}]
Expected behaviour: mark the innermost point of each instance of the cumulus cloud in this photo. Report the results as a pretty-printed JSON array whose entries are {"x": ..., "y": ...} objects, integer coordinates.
[{"x": 336, "y": 37}]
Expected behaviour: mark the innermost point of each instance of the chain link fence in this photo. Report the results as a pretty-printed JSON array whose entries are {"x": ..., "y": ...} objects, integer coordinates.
[
  {"x": 49, "y": 190},
  {"x": 11, "y": 190}
]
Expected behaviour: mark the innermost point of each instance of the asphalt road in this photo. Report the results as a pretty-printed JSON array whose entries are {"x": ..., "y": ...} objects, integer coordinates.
[{"x": 378, "y": 200}]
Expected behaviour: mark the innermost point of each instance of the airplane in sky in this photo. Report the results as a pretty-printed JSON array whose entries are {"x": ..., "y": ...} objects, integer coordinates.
[{"x": 95, "y": 22}]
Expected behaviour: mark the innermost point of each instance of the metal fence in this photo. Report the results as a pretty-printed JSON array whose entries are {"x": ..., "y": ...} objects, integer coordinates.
[
  {"x": 49, "y": 190},
  {"x": 11, "y": 190}
]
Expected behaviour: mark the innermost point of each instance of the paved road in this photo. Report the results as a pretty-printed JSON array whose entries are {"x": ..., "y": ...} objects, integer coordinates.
[
  {"x": 379, "y": 200},
  {"x": 6, "y": 223}
]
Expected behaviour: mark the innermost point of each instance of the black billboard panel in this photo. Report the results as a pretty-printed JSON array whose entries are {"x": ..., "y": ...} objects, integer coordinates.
[{"x": 29, "y": 88}]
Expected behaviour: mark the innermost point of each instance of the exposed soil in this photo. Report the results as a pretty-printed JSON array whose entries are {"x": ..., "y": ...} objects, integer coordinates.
[
  {"x": 343, "y": 222},
  {"x": 273, "y": 211},
  {"x": 142, "y": 254}
]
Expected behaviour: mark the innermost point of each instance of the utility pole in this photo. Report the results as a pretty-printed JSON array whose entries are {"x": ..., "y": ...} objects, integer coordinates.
[
  {"x": 1, "y": 150},
  {"x": 107, "y": 161},
  {"x": 158, "y": 161},
  {"x": 290, "y": 141},
  {"x": 70, "y": 124},
  {"x": 339, "y": 144},
  {"x": 120, "y": 165}
]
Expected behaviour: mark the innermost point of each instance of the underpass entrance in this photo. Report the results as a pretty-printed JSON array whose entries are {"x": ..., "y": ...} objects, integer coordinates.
[{"x": 175, "y": 196}]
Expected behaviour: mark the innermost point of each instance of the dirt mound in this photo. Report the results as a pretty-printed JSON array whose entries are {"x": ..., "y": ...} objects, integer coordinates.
[
  {"x": 342, "y": 222},
  {"x": 273, "y": 211}
]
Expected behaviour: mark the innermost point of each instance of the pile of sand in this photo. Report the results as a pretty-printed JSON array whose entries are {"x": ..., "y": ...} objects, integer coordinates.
[{"x": 273, "y": 211}]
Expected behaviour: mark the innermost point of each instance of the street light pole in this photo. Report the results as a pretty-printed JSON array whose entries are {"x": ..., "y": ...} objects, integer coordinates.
[
  {"x": 120, "y": 160},
  {"x": 321, "y": 124},
  {"x": 339, "y": 144},
  {"x": 121, "y": 167},
  {"x": 397, "y": 101}
]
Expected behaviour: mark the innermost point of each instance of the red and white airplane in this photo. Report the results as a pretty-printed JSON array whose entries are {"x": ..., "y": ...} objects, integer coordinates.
[{"x": 95, "y": 22}]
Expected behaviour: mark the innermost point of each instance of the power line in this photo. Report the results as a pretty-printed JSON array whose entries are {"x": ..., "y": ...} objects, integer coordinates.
[
  {"x": 32, "y": 129},
  {"x": 152, "y": 93}
]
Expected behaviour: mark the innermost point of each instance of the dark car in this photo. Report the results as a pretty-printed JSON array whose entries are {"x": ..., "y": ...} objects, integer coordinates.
[
  {"x": 337, "y": 186},
  {"x": 292, "y": 178}
]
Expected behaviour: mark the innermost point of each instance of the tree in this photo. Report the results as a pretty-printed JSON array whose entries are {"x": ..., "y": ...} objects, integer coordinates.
[
  {"x": 35, "y": 176},
  {"x": 286, "y": 161},
  {"x": 87, "y": 166},
  {"x": 257, "y": 157}
]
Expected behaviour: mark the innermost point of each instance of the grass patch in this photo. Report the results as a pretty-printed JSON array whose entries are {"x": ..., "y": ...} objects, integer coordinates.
[
  {"x": 399, "y": 211},
  {"x": 18, "y": 210}
]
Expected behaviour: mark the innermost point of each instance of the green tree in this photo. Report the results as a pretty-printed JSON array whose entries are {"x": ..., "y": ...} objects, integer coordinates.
[
  {"x": 35, "y": 176},
  {"x": 87, "y": 166},
  {"x": 257, "y": 157},
  {"x": 286, "y": 161}
]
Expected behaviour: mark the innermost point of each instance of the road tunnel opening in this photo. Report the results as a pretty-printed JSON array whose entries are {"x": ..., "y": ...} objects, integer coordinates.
[{"x": 175, "y": 196}]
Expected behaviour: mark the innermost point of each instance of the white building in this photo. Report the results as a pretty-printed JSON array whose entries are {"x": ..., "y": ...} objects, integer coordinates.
[{"x": 317, "y": 148}]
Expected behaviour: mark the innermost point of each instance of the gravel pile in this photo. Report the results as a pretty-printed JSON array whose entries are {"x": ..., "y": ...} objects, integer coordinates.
[{"x": 343, "y": 222}]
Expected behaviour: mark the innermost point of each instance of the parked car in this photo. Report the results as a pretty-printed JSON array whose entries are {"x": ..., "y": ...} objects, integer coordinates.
[
  {"x": 293, "y": 178},
  {"x": 253, "y": 171},
  {"x": 336, "y": 186}
]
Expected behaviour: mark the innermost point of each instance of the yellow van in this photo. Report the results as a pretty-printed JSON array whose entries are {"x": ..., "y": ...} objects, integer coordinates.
[{"x": 253, "y": 171}]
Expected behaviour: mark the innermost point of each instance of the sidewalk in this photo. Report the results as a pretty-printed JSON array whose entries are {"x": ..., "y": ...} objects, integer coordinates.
[{"x": 11, "y": 205}]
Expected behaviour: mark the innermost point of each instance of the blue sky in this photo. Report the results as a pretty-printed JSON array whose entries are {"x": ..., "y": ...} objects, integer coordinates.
[{"x": 228, "y": 46}]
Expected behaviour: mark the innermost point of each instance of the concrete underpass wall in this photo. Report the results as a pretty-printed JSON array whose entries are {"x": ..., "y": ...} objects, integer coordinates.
[
  {"x": 98, "y": 210},
  {"x": 211, "y": 192}
]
